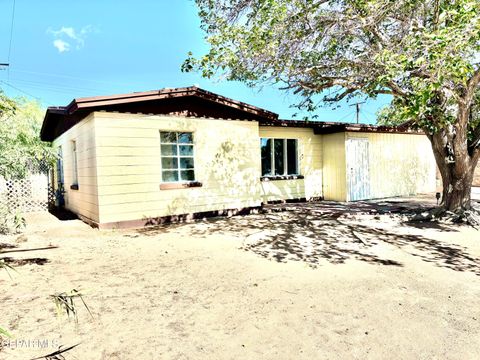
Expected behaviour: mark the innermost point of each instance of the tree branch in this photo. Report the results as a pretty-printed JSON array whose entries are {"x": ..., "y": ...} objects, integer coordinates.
[
  {"x": 475, "y": 143},
  {"x": 472, "y": 86}
]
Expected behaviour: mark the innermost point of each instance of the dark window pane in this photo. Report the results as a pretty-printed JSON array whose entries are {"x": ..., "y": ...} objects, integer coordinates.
[
  {"x": 185, "y": 138},
  {"x": 187, "y": 175},
  {"x": 292, "y": 163},
  {"x": 169, "y": 163},
  {"x": 278, "y": 149},
  {"x": 168, "y": 175},
  {"x": 168, "y": 137},
  {"x": 168, "y": 150},
  {"x": 266, "y": 153},
  {"x": 186, "y": 150},
  {"x": 186, "y": 163}
]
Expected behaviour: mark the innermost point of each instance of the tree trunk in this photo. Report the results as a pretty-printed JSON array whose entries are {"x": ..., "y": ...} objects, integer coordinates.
[
  {"x": 456, "y": 189},
  {"x": 456, "y": 168}
]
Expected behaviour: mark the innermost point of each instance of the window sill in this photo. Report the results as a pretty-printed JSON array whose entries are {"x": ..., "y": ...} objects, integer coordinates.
[
  {"x": 281, "y": 177},
  {"x": 180, "y": 185},
  {"x": 74, "y": 187}
]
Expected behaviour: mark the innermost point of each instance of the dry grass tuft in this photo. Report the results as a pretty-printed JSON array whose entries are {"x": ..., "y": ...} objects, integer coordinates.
[{"x": 65, "y": 303}]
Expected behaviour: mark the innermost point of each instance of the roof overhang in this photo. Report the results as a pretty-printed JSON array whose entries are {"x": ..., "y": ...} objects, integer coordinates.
[
  {"x": 191, "y": 101},
  {"x": 165, "y": 101},
  {"x": 331, "y": 128},
  {"x": 324, "y": 127}
]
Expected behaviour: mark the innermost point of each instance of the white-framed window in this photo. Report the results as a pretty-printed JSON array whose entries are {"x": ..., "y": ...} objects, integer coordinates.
[
  {"x": 74, "y": 163},
  {"x": 177, "y": 156},
  {"x": 279, "y": 156}
]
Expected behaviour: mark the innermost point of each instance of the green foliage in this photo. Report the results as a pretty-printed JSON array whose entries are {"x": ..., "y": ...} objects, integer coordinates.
[
  {"x": 20, "y": 144},
  {"x": 423, "y": 52},
  {"x": 7, "y": 105},
  {"x": 11, "y": 221}
]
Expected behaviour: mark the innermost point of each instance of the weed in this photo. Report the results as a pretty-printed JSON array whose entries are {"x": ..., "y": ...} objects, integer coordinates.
[
  {"x": 11, "y": 221},
  {"x": 6, "y": 266},
  {"x": 65, "y": 303},
  {"x": 4, "y": 332}
]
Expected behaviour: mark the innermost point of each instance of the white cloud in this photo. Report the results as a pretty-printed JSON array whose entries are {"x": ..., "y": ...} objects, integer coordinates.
[
  {"x": 67, "y": 38},
  {"x": 61, "y": 45}
]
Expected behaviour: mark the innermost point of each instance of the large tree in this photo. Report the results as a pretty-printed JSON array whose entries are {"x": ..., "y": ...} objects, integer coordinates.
[{"x": 425, "y": 53}]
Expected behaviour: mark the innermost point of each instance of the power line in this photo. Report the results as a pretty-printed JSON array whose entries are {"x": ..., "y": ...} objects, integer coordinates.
[
  {"x": 357, "y": 108},
  {"x": 24, "y": 92},
  {"x": 346, "y": 116},
  {"x": 11, "y": 37},
  {"x": 58, "y": 86},
  {"x": 374, "y": 116},
  {"x": 69, "y": 77}
]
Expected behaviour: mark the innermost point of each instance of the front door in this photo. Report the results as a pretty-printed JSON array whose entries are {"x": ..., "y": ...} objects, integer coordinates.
[{"x": 358, "y": 170}]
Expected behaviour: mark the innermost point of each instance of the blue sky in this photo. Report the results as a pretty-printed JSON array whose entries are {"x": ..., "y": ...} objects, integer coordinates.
[{"x": 65, "y": 49}]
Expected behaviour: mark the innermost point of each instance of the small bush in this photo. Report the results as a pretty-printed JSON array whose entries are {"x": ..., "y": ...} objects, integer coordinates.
[{"x": 11, "y": 221}]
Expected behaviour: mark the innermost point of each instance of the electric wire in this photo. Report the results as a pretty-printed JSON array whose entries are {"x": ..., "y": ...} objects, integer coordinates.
[
  {"x": 68, "y": 77},
  {"x": 351, "y": 113},
  {"x": 10, "y": 42},
  {"x": 25, "y": 92}
]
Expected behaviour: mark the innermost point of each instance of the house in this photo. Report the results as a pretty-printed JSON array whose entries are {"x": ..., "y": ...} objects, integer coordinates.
[{"x": 148, "y": 157}]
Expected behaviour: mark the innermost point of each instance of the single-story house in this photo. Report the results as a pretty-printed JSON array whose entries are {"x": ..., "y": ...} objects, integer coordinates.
[{"x": 147, "y": 157}]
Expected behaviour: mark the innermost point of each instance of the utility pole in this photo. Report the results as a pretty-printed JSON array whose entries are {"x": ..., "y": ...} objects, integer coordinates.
[{"x": 357, "y": 106}]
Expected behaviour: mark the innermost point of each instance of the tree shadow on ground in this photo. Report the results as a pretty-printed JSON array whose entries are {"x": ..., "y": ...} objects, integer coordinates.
[
  {"x": 7, "y": 246},
  {"x": 403, "y": 209},
  {"x": 21, "y": 262},
  {"x": 300, "y": 234},
  {"x": 15, "y": 262}
]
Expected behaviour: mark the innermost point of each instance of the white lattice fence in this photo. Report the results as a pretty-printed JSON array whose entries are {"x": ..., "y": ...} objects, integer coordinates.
[{"x": 25, "y": 195}]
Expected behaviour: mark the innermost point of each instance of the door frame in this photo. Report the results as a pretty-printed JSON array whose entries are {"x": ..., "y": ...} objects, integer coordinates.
[{"x": 366, "y": 192}]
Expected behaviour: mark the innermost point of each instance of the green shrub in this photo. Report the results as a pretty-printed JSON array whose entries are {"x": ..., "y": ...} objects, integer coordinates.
[{"x": 11, "y": 221}]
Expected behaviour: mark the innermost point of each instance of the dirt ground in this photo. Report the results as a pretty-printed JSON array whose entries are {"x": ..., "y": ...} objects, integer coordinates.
[{"x": 310, "y": 281}]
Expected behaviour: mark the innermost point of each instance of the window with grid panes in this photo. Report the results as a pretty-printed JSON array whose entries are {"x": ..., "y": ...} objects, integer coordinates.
[{"x": 176, "y": 150}]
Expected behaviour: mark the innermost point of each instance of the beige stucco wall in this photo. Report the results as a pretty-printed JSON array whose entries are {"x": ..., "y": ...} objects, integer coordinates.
[
  {"x": 84, "y": 200},
  {"x": 310, "y": 165},
  {"x": 227, "y": 163},
  {"x": 119, "y": 166},
  {"x": 400, "y": 164},
  {"x": 334, "y": 167}
]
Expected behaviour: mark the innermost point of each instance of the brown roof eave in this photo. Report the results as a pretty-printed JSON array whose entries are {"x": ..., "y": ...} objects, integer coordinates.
[
  {"x": 92, "y": 102},
  {"x": 321, "y": 127},
  {"x": 55, "y": 116},
  {"x": 362, "y": 128},
  {"x": 49, "y": 122}
]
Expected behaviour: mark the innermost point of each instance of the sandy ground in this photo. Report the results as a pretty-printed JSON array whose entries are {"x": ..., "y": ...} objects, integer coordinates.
[{"x": 307, "y": 283}]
